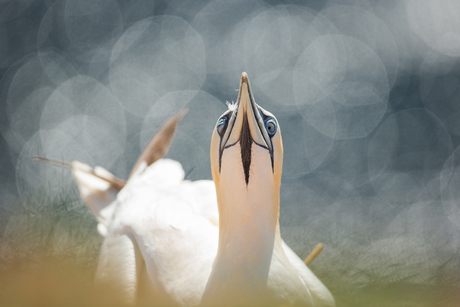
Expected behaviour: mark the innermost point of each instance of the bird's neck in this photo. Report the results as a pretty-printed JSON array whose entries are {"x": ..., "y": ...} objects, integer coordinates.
[
  {"x": 248, "y": 239},
  {"x": 248, "y": 226}
]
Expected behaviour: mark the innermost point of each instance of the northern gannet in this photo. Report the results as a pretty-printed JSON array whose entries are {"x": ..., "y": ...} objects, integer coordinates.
[
  {"x": 173, "y": 242},
  {"x": 251, "y": 267}
]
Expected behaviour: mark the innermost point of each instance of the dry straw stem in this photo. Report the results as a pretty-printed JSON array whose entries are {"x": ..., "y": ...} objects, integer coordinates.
[
  {"x": 314, "y": 253},
  {"x": 114, "y": 181}
]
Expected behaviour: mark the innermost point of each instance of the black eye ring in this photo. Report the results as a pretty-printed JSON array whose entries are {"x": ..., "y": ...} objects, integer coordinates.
[
  {"x": 271, "y": 126},
  {"x": 221, "y": 126}
]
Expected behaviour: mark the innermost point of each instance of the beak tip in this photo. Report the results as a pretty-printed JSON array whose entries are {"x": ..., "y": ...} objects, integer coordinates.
[{"x": 244, "y": 78}]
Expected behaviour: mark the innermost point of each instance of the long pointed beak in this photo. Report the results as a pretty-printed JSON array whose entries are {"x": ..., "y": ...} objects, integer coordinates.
[{"x": 246, "y": 123}]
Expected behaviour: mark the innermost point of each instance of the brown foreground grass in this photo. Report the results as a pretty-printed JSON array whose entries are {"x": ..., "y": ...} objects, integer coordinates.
[
  {"x": 53, "y": 282},
  {"x": 49, "y": 252}
]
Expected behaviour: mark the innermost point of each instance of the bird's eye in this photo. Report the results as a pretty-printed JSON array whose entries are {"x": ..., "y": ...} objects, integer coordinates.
[
  {"x": 270, "y": 125},
  {"x": 222, "y": 126}
]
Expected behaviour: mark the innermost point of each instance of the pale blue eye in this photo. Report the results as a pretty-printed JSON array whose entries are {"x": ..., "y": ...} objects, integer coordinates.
[
  {"x": 270, "y": 125},
  {"x": 221, "y": 126}
]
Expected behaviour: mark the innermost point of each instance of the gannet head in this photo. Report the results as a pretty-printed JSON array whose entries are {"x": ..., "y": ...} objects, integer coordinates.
[{"x": 246, "y": 145}]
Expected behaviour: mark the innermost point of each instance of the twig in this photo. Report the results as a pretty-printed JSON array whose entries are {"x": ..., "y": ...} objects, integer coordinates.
[{"x": 314, "y": 253}]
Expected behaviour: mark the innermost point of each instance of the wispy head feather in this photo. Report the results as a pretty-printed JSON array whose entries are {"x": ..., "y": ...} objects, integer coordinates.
[{"x": 231, "y": 105}]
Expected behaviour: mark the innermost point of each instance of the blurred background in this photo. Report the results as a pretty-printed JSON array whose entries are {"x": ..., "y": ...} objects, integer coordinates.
[{"x": 367, "y": 94}]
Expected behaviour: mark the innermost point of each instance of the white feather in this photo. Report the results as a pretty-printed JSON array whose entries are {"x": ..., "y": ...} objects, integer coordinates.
[{"x": 173, "y": 225}]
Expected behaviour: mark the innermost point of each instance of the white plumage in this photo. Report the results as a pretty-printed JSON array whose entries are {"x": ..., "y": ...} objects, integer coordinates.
[
  {"x": 169, "y": 223},
  {"x": 162, "y": 236}
]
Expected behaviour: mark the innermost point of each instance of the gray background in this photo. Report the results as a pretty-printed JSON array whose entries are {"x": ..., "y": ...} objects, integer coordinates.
[{"x": 367, "y": 94}]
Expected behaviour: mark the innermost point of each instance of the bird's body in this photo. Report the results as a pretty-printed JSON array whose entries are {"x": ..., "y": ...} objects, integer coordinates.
[
  {"x": 170, "y": 224},
  {"x": 180, "y": 243},
  {"x": 161, "y": 238}
]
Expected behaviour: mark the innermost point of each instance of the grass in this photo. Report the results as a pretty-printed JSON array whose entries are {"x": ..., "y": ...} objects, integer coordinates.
[
  {"x": 360, "y": 275},
  {"x": 49, "y": 252}
]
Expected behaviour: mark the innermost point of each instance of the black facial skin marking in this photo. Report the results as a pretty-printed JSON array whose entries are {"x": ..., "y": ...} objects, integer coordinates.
[
  {"x": 246, "y": 141},
  {"x": 246, "y": 147}
]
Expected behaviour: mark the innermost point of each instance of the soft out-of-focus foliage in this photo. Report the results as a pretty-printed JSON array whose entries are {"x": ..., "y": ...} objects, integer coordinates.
[{"x": 367, "y": 94}]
